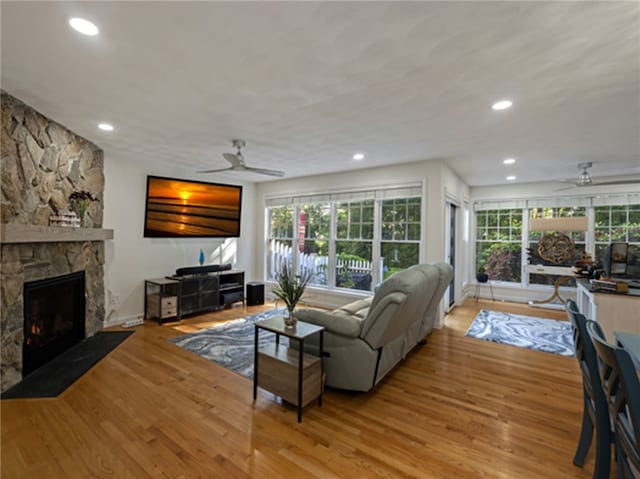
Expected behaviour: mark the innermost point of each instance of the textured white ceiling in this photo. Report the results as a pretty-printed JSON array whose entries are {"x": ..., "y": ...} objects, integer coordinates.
[{"x": 308, "y": 84}]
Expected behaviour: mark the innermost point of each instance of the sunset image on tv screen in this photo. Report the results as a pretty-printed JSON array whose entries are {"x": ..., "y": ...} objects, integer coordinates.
[{"x": 188, "y": 208}]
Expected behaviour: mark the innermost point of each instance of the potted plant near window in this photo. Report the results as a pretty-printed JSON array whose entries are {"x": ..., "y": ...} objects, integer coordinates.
[
  {"x": 481, "y": 275},
  {"x": 290, "y": 289}
]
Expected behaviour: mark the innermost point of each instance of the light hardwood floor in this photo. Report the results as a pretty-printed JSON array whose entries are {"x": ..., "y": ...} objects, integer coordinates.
[{"x": 455, "y": 408}]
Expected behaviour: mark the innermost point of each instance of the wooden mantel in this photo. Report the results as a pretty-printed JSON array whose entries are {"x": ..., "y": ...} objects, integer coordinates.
[{"x": 17, "y": 233}]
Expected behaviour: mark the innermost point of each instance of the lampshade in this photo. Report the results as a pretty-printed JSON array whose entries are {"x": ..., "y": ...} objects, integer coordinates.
[{"x": 573, "y": 223}]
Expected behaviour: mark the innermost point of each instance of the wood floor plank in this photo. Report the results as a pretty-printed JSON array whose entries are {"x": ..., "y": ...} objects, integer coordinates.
[{"x": 456, "y": 407}]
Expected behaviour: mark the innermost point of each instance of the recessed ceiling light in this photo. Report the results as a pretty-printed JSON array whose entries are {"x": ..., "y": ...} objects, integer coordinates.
[
  {"x": 502, "y": 105},
  {"x": 511, "y": 178},
  {"x": 509, "y": 161},
  {"x": 358, "y": 156},
  {"x": 83, "y": 26},
  {"x": 106, "y": 126}
]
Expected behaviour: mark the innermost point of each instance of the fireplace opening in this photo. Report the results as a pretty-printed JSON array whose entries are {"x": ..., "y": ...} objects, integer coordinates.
[{"x": 54, "y": 318}]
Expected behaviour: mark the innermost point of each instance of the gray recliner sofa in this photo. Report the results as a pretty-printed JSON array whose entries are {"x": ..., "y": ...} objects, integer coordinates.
[{"x": 365, "y": 339}]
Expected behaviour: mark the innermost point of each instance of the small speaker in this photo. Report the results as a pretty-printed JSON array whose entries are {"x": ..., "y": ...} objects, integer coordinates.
[{"x": 255, "y": 294}]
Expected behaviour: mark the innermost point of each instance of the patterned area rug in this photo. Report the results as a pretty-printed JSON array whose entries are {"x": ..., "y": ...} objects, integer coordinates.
[
  {"x": 528, "y": 332},
  {"x": 230, "y": 344}
]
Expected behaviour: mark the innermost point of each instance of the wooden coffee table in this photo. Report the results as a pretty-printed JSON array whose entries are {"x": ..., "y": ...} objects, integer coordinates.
[{"x": 295, "y": 376}]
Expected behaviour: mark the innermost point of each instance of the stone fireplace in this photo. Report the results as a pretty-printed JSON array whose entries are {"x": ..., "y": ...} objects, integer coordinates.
[{"x": 42, "y": 163}]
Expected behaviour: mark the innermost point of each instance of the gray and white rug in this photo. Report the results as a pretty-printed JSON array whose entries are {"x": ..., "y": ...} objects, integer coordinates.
[
  {"x": 528, "y": 332},
  {"x": 230, "y": 344}
]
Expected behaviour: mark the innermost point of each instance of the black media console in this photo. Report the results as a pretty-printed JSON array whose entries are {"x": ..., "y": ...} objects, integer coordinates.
[{"x": 192, "y": 293}]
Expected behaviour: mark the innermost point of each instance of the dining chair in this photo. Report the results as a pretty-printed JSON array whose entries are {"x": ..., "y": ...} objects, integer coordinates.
[
  {"x": 595, "y": 411},
  {"x": 622, "y": 389}
]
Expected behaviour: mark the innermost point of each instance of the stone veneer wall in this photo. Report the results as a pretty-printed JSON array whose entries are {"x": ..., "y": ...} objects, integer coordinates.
[{"x": 41, "y": 164}]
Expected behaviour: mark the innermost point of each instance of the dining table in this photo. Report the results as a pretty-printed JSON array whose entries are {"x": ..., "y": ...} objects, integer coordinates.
[{"x": 631, "y": 343}]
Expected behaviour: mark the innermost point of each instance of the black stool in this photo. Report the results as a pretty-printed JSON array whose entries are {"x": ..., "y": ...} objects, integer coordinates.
[
  {"x": 255, "y": 293},
  {"x": 477, "y": 294}
]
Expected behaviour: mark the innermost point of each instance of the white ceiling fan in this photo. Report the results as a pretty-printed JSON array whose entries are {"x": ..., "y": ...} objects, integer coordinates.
[
  {"x": 237, "y": 163},
  {"x": 584, "y": 178}
]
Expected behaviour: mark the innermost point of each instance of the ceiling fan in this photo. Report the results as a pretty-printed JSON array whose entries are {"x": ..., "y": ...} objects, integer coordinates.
[
  {"x": 237, "y": 163},
  {"x": 584, "y": 178}
]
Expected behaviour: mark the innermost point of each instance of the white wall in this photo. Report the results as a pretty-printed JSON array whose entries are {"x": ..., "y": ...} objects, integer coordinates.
[
  {"x": 130, "y": 258},
  {"x": 434, "y": 175}
]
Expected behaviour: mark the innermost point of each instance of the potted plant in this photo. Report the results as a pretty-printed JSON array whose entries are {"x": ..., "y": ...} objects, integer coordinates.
[
  {"x": 80, "y": 202},
  {"x": 290, "y": 289},
  {"x": 481, "y": 275}
]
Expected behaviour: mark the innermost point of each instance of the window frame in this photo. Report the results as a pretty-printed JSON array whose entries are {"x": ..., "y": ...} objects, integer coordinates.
[
  {"x": 377, "y": 197},
  {"x": 628, "y": 201}
]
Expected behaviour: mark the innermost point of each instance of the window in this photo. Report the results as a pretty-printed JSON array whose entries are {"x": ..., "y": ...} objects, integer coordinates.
[
  {"x": 499, "y": 243},
  {"x": 617, "y": 224},
  {"x": 350, "y": 240},
  {"x": 400, "y": 246},
  {"x": 354, "y": 244},
  {"x": 578, "y": 238},
  {"x": 501, "y": 234},
  {"x": 314, "y": 221},
  {"x": 280, "y": 239}
]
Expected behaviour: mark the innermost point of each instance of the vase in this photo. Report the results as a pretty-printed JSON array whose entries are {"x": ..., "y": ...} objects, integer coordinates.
[
  {"x": 81, "y": 208},
  {"x": 482, "y": 277},
  {"x": 289, "y": 317}
]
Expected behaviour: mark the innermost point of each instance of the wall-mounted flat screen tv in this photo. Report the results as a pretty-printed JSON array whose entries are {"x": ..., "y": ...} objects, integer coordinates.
[{"x": 195, "y": 209}]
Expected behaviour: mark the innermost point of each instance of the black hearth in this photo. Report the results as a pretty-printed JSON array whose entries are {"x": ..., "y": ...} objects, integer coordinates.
[{"x": 54, "y": 320}]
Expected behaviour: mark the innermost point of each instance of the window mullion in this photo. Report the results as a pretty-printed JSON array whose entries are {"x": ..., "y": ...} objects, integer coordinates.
[
  {"x": 295, "y": 256},
  {"x": 376, "y": 247},
  {"x": 333, "y": 233},
  {"x": 524, "y": 277},
  {"x": 590, "y": 237}
]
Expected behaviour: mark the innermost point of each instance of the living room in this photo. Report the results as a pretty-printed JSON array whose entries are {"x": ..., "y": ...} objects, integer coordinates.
[{"x": 335, "y": 87}]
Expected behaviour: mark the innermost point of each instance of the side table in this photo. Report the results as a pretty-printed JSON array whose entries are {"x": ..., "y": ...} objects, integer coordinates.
[
  {"x": 161, "y": 299},
  {"x": 295, "y": 376}
]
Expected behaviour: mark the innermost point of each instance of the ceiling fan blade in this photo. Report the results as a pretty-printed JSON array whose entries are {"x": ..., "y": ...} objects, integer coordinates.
[
  {"x": 616, "y": 182},
  {"x": 238, "y": 164},
  {"x": 263, "y": 171},
  {"x": 217, "y": 171},
  {"x": 235, "y": 160}
]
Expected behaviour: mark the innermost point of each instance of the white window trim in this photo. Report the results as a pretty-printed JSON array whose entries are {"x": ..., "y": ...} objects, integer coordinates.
[{"x": 377, "y": 193}]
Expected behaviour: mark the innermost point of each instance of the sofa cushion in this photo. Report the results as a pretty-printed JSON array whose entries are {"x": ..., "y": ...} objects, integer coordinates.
[
  {"x": 340, "y": 321},
  {"x": 359, "y": 308}
]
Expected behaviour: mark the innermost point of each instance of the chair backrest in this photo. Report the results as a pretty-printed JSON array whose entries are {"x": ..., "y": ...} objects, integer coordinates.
[
  {"x": 585, "y": 352},
  {"x": 588, "y": 361},
  {"x": 621, "y": 386},
  {"x": 571, "y": 306}
]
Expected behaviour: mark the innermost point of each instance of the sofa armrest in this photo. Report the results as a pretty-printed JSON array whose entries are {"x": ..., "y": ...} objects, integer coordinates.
[{"x": 335, "y": 321}]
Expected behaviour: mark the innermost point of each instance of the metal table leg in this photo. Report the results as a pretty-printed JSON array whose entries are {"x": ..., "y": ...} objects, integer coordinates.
[
  {"x": 300, "y": 359},
  {"x": 255, "y": 363},
  {"x": 321, "y": 367}
]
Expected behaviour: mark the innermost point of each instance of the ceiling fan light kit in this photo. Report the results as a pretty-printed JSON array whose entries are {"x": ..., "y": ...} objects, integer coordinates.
[
  {"x": 584, "y": 178},
  {"x": 237, "y": 163}
]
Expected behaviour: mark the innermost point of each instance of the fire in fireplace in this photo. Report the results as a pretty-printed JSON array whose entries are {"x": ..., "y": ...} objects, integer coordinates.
[{"x": 54, "y": 318}]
